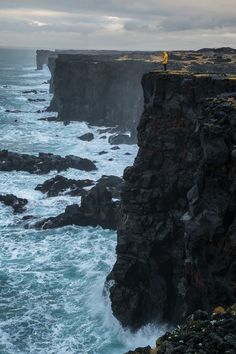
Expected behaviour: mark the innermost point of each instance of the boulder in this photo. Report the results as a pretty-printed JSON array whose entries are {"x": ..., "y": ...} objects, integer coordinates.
[
  {"x": 43, "y": 163},
  {"x": 36, "y": 99},
  {"x": 86, "y": 137},
  {"x": 17, "y": 204},
  {"x": 30, "y": 91},
  {"x": 120, "y": 139},
  {"x": 62, "y": 185}
]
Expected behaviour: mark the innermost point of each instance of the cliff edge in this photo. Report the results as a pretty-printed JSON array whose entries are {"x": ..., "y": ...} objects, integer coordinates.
[
  {"x": 102, "y": 89},
  {"x": 177, "y": 239}
]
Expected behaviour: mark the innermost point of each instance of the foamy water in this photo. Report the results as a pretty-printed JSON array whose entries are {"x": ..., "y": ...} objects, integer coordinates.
[{"x": 52, "y": 281}]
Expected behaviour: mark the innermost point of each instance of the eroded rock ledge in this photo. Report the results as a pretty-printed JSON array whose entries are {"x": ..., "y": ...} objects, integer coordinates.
[
  {"x": 43, "y": 163},
  {"x": 177, "y": 240}
]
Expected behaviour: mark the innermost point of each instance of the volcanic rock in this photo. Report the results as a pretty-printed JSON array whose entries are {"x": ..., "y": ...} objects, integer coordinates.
[
  {"x": 177, "y": 239},
  {"x": 201, "y": 333},
  {"x": 43, "y": 163},
  {"x": 97, "y": 207},
  {"x": 120, "y": 139},
  {"x": 86, "y": 137},
  {"x": 62, "y": 185},
  {"x": 18, "y": 204}
]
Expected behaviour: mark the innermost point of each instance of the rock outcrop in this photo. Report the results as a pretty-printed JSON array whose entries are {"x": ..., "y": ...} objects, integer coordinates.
[
  {"x": 61, "y": 185},
  {"x": 99, "y": 206},
  {"x": 43, "y": 163},
  {"x": 177, "y": 240},
  {"x": 17, "y": 204},
  {"x": 202, "y": 333}
]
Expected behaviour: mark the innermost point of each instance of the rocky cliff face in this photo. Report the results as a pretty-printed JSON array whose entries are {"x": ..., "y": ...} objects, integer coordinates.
[
  {"x": 177, "y": 240},
  {"x": 101, "y": 90},
  {"x": 103, "y": 87}
]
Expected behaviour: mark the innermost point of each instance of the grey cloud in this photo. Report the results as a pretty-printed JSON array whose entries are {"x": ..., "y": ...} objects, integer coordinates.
[
  {"x": 185, "y": 23},
  {"x": 138, "y": 22}
]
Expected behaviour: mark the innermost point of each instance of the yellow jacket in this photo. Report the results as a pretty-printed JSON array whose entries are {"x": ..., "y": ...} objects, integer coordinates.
[{"x": 165, "y": 58}]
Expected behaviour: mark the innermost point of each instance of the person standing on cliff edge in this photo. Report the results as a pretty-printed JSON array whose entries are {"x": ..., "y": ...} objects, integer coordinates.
[{"x": 165, "y": 59}]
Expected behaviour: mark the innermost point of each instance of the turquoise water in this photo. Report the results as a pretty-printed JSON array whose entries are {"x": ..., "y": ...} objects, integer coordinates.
[{"x": 52, "y": 297}]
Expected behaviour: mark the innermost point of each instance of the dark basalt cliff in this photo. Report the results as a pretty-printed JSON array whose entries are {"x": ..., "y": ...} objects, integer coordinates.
[
  {"x": 177, "y": 240},
  {"x": 101, "y": 90},
  {"x": 103, "y": 87}
]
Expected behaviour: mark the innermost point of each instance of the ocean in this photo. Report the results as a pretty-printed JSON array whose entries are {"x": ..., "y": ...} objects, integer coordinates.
[{"x": 52, "y": 281}]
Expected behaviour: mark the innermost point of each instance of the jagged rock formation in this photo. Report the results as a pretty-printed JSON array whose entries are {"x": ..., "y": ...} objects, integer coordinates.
[
  {"x": 201, "y": 333},
  {"x": 43, "y": 163},
  {"x": 17, "y": 204},
  {"x": 177, "y": 241},
  {"x": 62, "y": 185},
  {"x": 97, "y": 207}
]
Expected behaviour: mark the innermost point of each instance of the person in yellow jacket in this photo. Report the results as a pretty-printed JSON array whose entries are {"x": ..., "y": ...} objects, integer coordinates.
[{"x": 165, "y": 60}]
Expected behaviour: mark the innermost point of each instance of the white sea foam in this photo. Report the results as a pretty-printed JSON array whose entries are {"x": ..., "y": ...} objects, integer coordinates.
[{"x": 52, "y": 281}]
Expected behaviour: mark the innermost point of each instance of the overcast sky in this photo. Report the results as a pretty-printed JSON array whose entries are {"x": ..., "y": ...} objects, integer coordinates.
[{"x": 118, "y": 24}]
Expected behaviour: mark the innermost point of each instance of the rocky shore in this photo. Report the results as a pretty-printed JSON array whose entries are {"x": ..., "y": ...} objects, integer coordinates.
[
  {"x": 100, "y": 206},
  {"x": 176, "y": 240},
  {"x": 202, "y": 333},
  {"x": 43, "y": 163},
  {"x": 175, "y": 208}
]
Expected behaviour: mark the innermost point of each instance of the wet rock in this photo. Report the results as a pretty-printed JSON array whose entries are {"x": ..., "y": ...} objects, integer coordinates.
[
  {"x": 145, "y": 350},
  {"x": 114, "y": 185},
  {"x": 28, "y": 217},
  {"x": 13, "y": 111},
  {"x": 36, "y": 99},
  {"x": 43, "y": 163},
  {"x": 102, "y": 153},
  {"x": 97, "y": 207},
  {"x": 86, "y": 137},
  {"x": 211, "y": 334},
  {"x": 30, "y": 91},
  {"x": 105, "y": 130},
  {"x": 103, "y": 137},
  {"x": 62, "y": 185},
  {"x": 120, "y": 139},
  {"x": 115, "y": 148},
  {"x": 49, "y": 119},
  {"x": 17, "y": 204}
]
